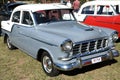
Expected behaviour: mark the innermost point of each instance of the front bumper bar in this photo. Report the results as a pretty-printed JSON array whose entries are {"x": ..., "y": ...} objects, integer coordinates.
[{"x": 87, "y": 60}]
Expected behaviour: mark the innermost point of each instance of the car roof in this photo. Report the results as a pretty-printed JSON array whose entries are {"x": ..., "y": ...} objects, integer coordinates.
[
  {"x": 15, "y": 3},
  {"x": 103, "y": 2},
  {"x": 37, "y": 7}
]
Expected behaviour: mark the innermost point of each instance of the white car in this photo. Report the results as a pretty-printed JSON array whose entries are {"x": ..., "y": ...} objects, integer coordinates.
[{"x": 103, "y": 13}]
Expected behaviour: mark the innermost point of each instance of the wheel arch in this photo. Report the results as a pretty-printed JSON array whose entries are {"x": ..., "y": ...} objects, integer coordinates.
[
  {"x": 5, "y": 38},
  {"x": 40, "y": 53}
]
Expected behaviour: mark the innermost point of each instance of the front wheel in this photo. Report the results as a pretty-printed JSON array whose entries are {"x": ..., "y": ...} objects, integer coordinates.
[{"x": 47, "y": 65}]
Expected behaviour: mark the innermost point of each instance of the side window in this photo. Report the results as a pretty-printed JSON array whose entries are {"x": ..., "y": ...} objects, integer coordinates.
[
  {"x": 104, "y": 10},
  {"x": 88, "y": 10},
  {"x": 40, "y": 17},
  {"x": 16, "y": 17},
  {"x": 27, "y": 19}
]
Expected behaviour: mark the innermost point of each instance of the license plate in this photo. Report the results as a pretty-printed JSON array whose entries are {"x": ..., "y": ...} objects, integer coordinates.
[{"x": 96, "y": 60}]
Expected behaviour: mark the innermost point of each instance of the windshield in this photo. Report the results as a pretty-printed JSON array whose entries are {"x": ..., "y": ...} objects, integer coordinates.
[{"x": 44, "y": 16}]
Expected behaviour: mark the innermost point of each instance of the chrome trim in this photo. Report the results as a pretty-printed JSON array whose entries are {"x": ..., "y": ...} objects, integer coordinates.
[
  {"x": 62, "y": 45},
  {"x": 116, "y": 34},
  {"x": 90, "y": 45},
  {"x": 81, "y": 62},
  {"x": 67, "y": 67},
  {"x": 106, "y": 37},
  {"x": 84, "y": 54}
]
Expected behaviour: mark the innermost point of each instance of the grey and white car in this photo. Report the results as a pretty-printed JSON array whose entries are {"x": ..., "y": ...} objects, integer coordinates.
[{"x": 50, "y": 33}]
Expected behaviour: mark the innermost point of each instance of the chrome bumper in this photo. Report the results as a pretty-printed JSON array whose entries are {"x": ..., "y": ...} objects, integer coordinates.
[{"x": 87, "y": 60}]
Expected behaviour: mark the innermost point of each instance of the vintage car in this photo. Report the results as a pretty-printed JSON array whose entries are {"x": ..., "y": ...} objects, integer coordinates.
[
  {"x": 51, "y": 34},
  {"x": 102, "y": 13}
]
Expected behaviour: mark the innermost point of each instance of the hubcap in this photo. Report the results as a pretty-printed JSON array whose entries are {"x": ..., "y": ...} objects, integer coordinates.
[{"x": 47, "y": 64}]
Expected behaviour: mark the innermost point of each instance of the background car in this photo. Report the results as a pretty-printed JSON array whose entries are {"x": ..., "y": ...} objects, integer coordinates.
[
  {"x": 100, "y": 13},
  {"x": 6, "y": 10}
]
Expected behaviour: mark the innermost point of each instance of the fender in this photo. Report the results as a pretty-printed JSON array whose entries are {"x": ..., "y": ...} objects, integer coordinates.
[{"x": 7, "y": 25}]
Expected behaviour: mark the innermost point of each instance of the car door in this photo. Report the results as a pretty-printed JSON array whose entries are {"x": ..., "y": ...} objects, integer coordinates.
[
  {"x": 105, "y": 15},
  {"x": 14, "y": 24},
  {"x": 22, "y": 33}
]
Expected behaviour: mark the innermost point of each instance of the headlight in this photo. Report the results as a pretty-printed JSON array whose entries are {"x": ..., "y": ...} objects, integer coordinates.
[
  {"x": 115, "y": 36},
  {"x": 67, "y": 46}
]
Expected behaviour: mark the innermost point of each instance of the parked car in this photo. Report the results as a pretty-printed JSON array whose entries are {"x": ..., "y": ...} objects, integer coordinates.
[
  {"x": 102, "y": 13},
  {"x": 50, "y": 33},
  {"x": 6, "y": 10}
]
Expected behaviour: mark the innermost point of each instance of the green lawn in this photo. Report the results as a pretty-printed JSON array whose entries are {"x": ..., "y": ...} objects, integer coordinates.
[{"x": 16, "y": 65}]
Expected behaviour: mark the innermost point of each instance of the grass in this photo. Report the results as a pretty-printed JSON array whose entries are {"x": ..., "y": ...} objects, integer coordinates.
[{"x": 16, "y": 65}]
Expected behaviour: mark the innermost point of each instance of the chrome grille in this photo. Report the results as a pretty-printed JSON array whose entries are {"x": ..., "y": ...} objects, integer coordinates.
[{"x": 89, "y": 46}]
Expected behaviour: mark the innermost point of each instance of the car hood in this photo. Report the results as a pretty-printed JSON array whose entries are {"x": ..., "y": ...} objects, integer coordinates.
[{"x": 72, "y": 30}]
